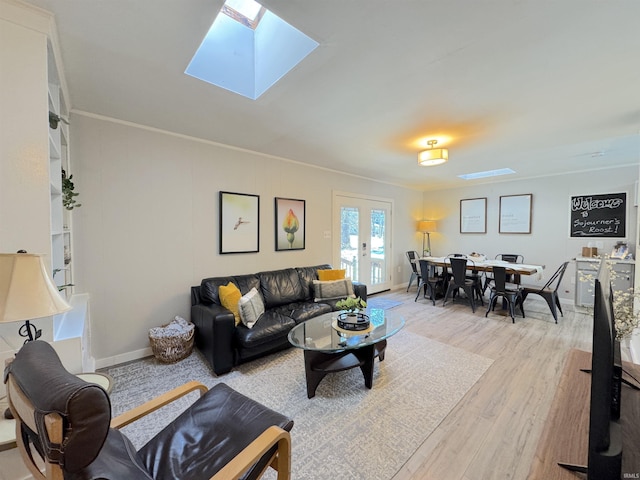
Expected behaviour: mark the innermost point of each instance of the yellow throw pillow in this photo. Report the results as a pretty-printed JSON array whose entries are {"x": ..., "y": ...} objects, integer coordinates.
[
  {"x": 229, "y": 298},
  {"x": 325, "y": 275}
]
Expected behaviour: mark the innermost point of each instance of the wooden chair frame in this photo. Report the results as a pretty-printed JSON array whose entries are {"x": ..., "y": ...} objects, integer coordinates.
[{"x": 23, "y": 412}]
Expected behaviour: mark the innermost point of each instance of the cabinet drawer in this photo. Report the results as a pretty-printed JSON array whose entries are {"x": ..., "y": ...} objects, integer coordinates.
[{"x": 590, "y": 266}]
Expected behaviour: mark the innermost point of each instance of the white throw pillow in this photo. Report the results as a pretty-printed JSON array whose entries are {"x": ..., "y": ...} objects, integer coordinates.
[
  {"x": 251, "y": 307},
  {"x": 332, "y": 290}
]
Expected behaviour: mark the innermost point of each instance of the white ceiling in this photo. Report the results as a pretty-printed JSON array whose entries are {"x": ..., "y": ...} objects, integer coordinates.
[{"x": 540, "y": 86}]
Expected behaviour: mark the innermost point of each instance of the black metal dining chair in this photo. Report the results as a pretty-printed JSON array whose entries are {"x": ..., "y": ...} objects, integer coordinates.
[
  {"x": 510, "y": 292},
  {"x": 412, "y": 255},
  {"x": 472, "y": 274},
  {"x": 430, "y": 280},
  {"x": 549, "y": 291},
  {"x": 459, "y": 280},
  {"x": 505, "y": 257}
]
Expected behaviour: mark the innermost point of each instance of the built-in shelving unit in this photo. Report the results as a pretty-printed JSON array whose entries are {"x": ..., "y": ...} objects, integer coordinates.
[
  {"x": 70, "y": 329},
  {"x": 61, "y": 252}
]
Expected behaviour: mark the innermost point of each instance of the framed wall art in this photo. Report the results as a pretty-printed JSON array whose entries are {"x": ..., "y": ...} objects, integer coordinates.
[
  {"x": 239, "y": 223},
  {"x": 290, "y": 224},
  {"x": 473, "y": 215},
  {"x": 515, "y": 213}
]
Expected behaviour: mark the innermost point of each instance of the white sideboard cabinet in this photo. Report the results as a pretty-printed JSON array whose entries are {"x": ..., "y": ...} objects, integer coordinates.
[{"x": 586, "y": 271}]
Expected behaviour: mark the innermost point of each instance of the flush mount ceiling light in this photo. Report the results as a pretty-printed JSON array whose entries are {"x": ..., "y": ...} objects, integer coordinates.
[{"x": 433, "y": 156}]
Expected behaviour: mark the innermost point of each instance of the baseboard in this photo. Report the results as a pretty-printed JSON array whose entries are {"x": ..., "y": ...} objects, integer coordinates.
[{"x": 123, "y": 358}]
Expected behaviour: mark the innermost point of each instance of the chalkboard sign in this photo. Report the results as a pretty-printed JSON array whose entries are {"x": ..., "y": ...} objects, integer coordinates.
[{"x": 599, "y": 215}]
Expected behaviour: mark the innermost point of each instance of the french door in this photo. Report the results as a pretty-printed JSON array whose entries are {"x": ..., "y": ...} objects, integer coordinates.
[{"x": 362, "y": 239}]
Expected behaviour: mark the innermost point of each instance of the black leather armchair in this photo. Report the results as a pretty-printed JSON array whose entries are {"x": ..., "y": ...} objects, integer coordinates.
[{"x": 67, "y": 422}]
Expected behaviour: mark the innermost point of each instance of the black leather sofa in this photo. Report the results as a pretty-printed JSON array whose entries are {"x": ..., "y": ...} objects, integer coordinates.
[{"x": 288, "y": 298}]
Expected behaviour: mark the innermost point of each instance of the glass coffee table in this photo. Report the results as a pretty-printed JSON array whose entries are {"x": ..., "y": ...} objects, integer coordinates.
[{"x": 329, "y": 349}]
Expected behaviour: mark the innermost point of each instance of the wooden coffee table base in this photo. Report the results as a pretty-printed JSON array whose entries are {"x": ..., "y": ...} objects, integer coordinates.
[{"x": 318, "y": 364}]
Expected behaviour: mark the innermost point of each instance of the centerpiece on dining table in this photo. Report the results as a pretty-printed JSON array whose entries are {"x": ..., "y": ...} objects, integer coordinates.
[{"x": 352, "y": 317}]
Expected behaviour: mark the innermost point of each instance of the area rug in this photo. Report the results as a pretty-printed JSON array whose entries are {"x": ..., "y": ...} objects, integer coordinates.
[
  {"x": 346, "y": 431},
  {"x": 382, "y": 303}
]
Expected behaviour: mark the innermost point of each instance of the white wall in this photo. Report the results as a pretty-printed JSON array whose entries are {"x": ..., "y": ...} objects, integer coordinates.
[
  {"x": 148, "y": 226},
  {"x": 549, "y": 242},
  {"x": 24, "y": 158}
]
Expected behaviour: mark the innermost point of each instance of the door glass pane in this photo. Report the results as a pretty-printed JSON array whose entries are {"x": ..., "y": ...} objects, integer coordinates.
[
  {"x": 378, "y": 273},
  {"x": 349, "y": 218}
]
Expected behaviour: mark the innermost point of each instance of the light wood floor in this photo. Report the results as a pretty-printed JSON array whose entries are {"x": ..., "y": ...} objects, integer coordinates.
[{"x": 493, "y": 432}]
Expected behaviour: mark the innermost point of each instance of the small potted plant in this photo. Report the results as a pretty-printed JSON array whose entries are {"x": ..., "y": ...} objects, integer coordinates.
[
  {"x": 351, "y": 318},
  {"x": 351, "y": 305}
]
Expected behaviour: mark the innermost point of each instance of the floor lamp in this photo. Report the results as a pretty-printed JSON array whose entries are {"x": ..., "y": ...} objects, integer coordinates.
[
  {"x": 27, "y": 292},
  {"x": 426, "y": 227}
]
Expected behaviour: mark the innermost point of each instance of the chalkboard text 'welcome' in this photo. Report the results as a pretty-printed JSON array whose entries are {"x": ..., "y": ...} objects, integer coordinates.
[{"x": 599, "y": 215}]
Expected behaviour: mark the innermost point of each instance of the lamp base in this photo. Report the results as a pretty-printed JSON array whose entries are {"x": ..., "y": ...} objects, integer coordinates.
[
  {"x": 29, "y": 331},
  {"x": 426, "y": 252}
]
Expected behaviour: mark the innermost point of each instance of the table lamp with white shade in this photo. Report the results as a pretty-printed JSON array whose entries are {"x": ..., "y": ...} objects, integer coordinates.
[{"x": 27, "y": 292}]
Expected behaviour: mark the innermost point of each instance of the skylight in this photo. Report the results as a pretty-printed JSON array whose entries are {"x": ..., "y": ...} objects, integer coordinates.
[
  {"x": 248, "y": 8},
  {"x": 248, "y": 49},
  {"x": 488, "y": 173},
  {"x": 246, "y": 12}
]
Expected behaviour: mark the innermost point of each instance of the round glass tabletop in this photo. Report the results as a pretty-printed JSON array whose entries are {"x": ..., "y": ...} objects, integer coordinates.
[{"x": 321, "y": 333}]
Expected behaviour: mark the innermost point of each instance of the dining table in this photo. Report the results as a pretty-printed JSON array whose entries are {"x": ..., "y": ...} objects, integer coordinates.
[{"x": 482, "y": 264}]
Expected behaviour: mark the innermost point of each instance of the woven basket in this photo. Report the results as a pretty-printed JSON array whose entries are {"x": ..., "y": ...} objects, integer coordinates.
[{"x": 171, "y": 349}]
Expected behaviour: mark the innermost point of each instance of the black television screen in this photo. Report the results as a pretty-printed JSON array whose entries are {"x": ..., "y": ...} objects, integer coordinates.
[{"x": 605, "y": 433}]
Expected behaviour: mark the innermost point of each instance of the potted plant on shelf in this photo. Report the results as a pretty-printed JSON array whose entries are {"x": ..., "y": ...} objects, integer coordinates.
[
  {"x": 66, "y": 285},
  {"x": 68, "y": 193}
]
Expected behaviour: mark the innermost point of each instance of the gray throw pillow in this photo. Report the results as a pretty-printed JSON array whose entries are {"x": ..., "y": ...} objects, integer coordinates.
[
  {"x": 332, "y": 289},
  {"x": 250, "y": 307}
]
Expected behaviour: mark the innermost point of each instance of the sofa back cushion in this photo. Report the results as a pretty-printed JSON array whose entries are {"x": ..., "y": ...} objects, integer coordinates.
[
  {"x": 209, "y": 286},
  {"x": 280, "y": 287},
  {"x": 209, "y": 289},
  {"x": 246, "y": 282},
  {"x": 307, "y": 275}
]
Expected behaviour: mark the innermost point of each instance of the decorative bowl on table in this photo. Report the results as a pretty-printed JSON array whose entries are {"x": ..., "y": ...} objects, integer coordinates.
[{"x": 353, "y": 321}]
